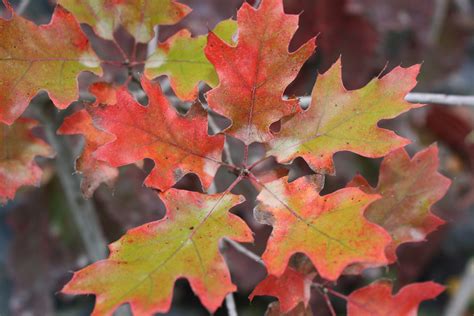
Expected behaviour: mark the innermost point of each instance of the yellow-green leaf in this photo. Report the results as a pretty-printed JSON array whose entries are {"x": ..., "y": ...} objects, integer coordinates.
[
  {"x": 138, "y": 17},
  {"x": 339, "y": 120},
  {"x": 182, "y": 59},
  {"x": 145, "y": 263}
]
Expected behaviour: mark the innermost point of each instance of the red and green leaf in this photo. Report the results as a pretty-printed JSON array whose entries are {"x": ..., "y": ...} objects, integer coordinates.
[
  {"x": 46, "y": 57},
  {"x": 331, "y": 230},
  {"x": 177, "y": 144},
  {"x": 138, "y": 17},
  {"x": 254, "y": 74},
  {"x": 409, "y": 187},
  {"x": 145, "y": 263},
  {"x": 340, "y": 120},
  {"x": 18, "y": 148}
]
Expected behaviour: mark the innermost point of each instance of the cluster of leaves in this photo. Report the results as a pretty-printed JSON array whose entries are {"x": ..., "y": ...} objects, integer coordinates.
[{"x": 249, "y": 67}]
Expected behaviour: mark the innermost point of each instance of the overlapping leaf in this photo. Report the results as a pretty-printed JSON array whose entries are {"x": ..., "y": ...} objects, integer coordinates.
[
  {"x": 47, "y": 57},
  {"x": 409, "y": 187},
  {"x": 104, "y": 93},
  {"x": 138, "y": 17},
  {"x": 94, "y": 172},
  {"x": 144, "y": 264},
  {"x": 182, "y": 58},
  {"x": 377, "y": 299},
  {"x": 18, "y": 148},
  {"x": 254, "y": 74},
  {"x": 331, "y": 230},
  {"x": 177, "y": 144},
  {"x": 291, "y": 288},
  {"x": 339, "y": 120}
]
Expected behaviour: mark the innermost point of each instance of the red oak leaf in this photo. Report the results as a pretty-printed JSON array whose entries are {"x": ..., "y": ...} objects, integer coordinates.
[
  {"x": 177, "y": 144},
  {"x": 46, "y": 57},
  {"x": 291, "y": 288},
  {"x": 377, "y": 299},
  {"x": 300, "y": 310},
  {"x": 138, "y": 17},
  {"x": 94, "y": 171},
  {"x": 254, "y": 74},
  {"x": 341, "y": 120},
  {"x": 145, "y": 263},
  {"x": 409, "y": 187},
  {"x": 104, "y": 93},
  {"x": 18, "y": 148},
  {"x": 331, "y": 230}
]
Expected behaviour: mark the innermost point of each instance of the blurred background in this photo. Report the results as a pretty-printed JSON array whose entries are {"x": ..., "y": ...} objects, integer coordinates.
[{"x": 40, "y": 242}]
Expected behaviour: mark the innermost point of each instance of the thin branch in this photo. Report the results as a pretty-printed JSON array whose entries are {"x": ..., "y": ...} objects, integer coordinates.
[
  {"x": 121, "y": 51},
  {"x": 329, "y": 304},
  {"x": 423, "y": 98},
  {"x": 256, "y": 4},
  {"x": 241, "y": 249},
  {"x": 437, "y": 98},
  {"x": 323, "y": 288},
  {"x": 83, "y": 211},
  {"x": 21, "y": 8},
  {"x": 230, "y": 304},
  {"x": 439, "y": 16},
  {"x": 460, "y": 300},
  {"x": 151, "y": 46}
]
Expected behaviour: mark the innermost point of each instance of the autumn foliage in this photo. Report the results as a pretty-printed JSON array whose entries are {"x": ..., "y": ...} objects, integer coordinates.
[{"x": 248, "y": 65}]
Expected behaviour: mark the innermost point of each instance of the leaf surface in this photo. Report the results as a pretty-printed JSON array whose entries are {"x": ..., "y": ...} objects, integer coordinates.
[
  {"x": 300, "y": 310},
  {"x": 94, "y": 171},
  {"x": 291, "y": 288},
  {"x": 46, "y": 57},
  {"x": 254, "y": 74},
  {"x": 341, "y": 120},
  {"x": 331, "y": 230},
  {"x": 138, "y": 17},
  {"x": 377, "y": 299},
  {"x": 409, "y": 187},
  {"x": 182, "y": 58},
  {"x": 145, "y": 263},
  {"x": 177, "y": 144},
  {"x": 18, "y": 148}
]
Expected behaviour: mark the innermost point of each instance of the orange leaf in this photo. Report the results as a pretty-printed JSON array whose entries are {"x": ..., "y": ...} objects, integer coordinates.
[{"x": 331, "y": 230}]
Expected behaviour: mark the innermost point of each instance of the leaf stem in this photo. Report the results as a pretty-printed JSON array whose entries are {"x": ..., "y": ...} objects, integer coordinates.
[
  {"x": 121, "y": 51},
  {"x": 256, "y": 163},
  {"x": 346, "y": 298},
  {"x": 242, "y": 250}
]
